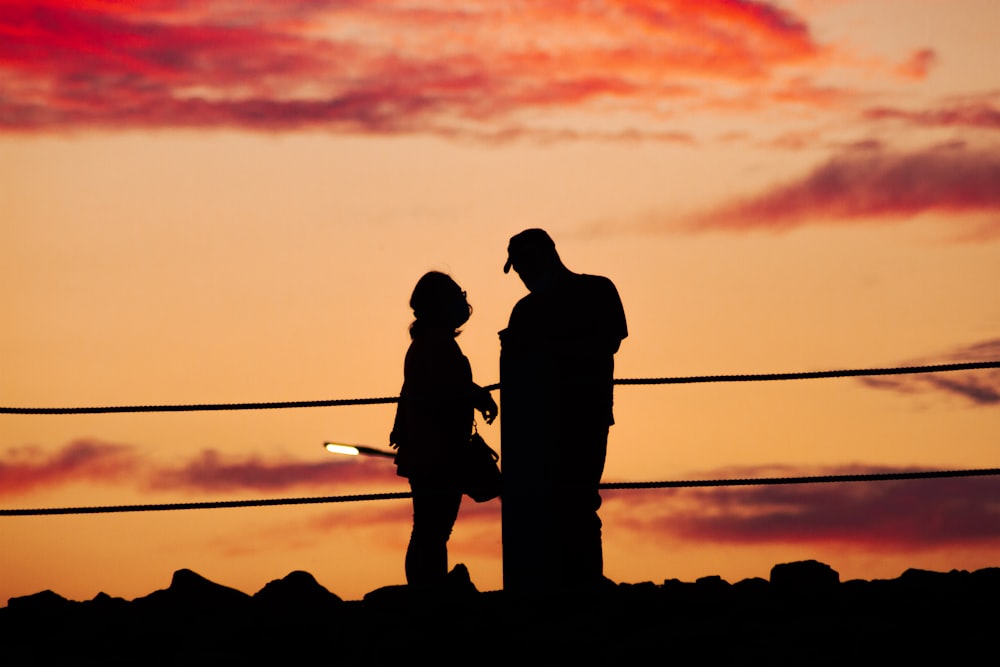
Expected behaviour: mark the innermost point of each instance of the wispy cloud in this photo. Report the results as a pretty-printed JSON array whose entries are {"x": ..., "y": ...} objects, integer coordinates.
[
  {"x": 981, "y": 113},
  {"x": 377, "y": 66},
  {"x": 476, "y": 532},
  {"x": 879, "y": 516},
  {"x": 874, "y": 516},
  {"x": 23, "y": 470},
  {"x": 211, "y": 471},
  {"x": 396, "y": 513},
  {"x": 918, "y": 65},
  {"x": 911, "y": 514},
  {"x": 871, "y": 183},
  {"x": 26, "y": 469},
  {"x": 981, "y": 387}
]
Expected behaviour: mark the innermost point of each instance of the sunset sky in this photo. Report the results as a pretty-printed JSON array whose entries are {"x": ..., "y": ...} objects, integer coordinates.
[{"x": 219, "y": 201}]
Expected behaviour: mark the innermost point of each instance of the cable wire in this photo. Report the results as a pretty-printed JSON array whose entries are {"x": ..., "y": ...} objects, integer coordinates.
[
  {"x": 815, "y": 375},
  {"x": 811, "y": 479},
  {"x": 268, "y": 502},
  {"x": 808, "y": 375},
  {"x": 218, "y": 504},
  {"x": 872, "y": 477},
  {"x": 198, "y": 407}
]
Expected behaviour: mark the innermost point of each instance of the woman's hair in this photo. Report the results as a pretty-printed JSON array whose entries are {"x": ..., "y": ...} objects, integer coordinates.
[{"x": 438, "y": 302}]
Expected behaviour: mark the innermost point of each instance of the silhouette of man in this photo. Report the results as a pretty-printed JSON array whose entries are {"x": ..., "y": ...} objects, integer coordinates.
[{"x": 556, "y": 373}]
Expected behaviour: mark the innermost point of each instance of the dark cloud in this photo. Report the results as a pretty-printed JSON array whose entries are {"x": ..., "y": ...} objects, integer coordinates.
[
  {"x": 981, "y": 387},
  {"x": 873, "y": 184},
  {"x": 884, "y": 515}
]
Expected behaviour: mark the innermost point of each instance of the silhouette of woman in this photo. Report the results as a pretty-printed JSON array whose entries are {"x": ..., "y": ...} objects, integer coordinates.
[{"x": 434, "y": 419}]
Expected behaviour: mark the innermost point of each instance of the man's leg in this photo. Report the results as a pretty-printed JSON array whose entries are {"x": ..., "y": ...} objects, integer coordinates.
[{"x": 577, "y": 522}]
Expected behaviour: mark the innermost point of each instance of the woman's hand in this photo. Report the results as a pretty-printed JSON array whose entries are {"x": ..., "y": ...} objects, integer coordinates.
[{"x": 486, "y": 405}]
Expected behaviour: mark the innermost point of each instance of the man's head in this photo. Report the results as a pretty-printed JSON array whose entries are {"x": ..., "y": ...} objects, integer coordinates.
[{"x": 532, "y": 253}]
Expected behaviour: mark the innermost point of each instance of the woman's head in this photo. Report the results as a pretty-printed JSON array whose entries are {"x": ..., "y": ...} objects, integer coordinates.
[{"x": 438, "y": 302}]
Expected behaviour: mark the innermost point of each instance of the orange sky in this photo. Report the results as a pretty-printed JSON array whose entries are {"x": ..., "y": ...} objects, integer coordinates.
[{"x": 204, "y": 203}]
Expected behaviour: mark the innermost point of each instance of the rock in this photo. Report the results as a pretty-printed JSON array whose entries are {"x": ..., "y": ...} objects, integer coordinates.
[
  {"x": 459, "y": 581},
  {"x": 298, "y": 592},
  {"x": 189, "y": 592},
  {"x": 803, "y": 615},
  {"x": 804, "y": 577},
  {"x": 456, "y": 586},
  {"x": 45, "y": 602}
]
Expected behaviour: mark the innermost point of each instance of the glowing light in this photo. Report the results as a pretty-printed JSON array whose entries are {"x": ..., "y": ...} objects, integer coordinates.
[
  {"x": 354, "y": 450},
  {"x": 337, "y": 448}
]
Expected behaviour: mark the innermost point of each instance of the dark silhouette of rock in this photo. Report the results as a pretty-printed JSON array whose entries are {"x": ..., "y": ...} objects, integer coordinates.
[
  {"x": 754, "y": 585},
  {"x": 44, "y": 602},
  {"x": 459, "y": 582},
  {"x": 297, "y": 593},
  {"x": 103, "y": 600},
  {"x": 803, "y": 615},
  {"x": 192, "y": 592},
  {"x": 804, "y": 577},
  {"x": 105, "y": 605},
  {"x": 457, "y": 587},
  {"x": 711, "y": 583}
]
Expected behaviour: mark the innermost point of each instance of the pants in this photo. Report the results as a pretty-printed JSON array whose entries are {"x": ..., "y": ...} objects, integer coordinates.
[
  {"x": 435, "y": 508},
  {"x": 572, "y": 501}
]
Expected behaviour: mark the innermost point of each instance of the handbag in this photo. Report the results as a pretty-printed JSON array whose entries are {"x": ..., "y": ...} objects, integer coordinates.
[{"x": 479, "y": 469}]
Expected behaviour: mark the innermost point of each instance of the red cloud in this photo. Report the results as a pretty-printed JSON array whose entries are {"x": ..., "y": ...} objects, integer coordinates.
[
  {"x": 883, "y": 515},
  {"x": 872, "y": 183},
  {"x": 401, "y": 512},
  {"x": 211, "y": 472},
  {"x": 374, "y": 66},
  {"x": 27, "y": 469},
  {"x": 909, "y": 514},
  {"x": 918, "y": 65},
  {"x": 980, "y": 387},
  {"x": 802, "y": 91},
  {"x": 980, "y": 114}
]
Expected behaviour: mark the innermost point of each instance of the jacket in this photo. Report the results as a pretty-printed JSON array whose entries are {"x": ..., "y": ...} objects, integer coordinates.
[{"x": 434, "y": 415}]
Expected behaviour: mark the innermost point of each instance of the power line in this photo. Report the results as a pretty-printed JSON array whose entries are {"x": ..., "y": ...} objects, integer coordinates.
[
  {"x": 809, "y": 375},
  {"x": 810, "y": 479},
  {"x": 815, "y": 375},
  {"x": 269, "y": 502},
  {"x": 199, "y": 407},
  {"x": 219, "y": 504}
]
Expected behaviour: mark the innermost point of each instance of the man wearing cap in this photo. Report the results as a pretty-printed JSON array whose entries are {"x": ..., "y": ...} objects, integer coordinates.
[{"x": 556, "y": 376}]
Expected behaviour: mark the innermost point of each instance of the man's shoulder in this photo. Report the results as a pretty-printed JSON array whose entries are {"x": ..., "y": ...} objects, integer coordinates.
[
  {"x": 599, "y": 296},
  {"x": 595, "y": 287},
  {"x": 595, "y": 282},
  {"x": 526, "y": 302}
]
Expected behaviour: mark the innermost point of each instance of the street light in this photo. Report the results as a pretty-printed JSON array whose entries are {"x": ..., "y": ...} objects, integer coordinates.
[{"x": 355, "y": 450}]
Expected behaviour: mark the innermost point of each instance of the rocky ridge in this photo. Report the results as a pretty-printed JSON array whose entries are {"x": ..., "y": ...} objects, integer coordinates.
[{"x": 802, "y": 614}]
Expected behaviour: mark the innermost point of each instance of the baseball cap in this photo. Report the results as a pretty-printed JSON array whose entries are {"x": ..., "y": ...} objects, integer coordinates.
[{"x": 530, "y": 242}]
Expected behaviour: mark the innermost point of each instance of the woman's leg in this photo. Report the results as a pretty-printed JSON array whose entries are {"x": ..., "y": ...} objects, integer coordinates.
[{"x": 435, "y": 508}]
